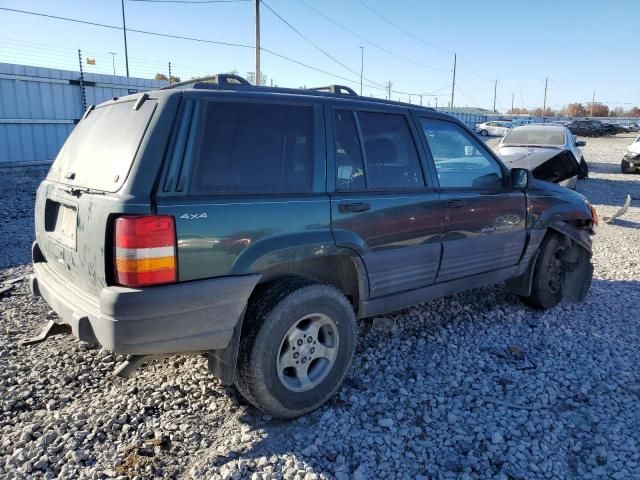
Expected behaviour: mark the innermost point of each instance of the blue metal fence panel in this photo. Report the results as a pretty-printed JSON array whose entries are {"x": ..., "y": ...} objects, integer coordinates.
[{"x": 39, "y": 107}]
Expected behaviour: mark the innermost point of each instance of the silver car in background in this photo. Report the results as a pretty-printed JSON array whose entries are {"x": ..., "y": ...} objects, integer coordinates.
[
  {"x": 495, "y": 129},
  {"x": 551, "y": 152}
]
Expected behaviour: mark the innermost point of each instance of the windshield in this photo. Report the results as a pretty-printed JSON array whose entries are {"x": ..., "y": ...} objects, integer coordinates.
[
  {"x": 546, "y": 136},
  {"x": 99, "y": 152}
]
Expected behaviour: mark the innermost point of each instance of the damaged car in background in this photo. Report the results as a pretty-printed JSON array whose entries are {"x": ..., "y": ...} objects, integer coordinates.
[
  {"x": 551, "y": 152},
  {"x": 631, "y": 159}
]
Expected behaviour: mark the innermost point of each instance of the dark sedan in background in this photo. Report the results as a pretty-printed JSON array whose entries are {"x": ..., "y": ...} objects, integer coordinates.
[{"x": 591, "y": 128}]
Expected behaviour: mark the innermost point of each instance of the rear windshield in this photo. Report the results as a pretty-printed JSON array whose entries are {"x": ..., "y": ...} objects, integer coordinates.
[
  {"x": 99, "y": 152},
  {"x": 546, "y": 136}
]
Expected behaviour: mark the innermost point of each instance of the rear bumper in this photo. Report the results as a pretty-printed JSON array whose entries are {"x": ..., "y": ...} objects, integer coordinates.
[{"x": 181, "y": 317}]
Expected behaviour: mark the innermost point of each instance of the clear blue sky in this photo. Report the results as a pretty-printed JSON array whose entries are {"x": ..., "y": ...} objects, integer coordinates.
[{"x": 580, "y": 45}]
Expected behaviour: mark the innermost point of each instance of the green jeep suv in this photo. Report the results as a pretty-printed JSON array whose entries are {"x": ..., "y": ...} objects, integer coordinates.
[{"x": 255, "y": 225}]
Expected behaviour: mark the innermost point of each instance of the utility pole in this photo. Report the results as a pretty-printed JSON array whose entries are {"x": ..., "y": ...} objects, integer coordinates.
[
  {"x": 389, "y": 90},
  {"x": 544, "y": 105},
  {"x": 453, "y": 84},
  {"x": 495, "y": 90},
  {"x": 361, "y": 67},
  {"x": 257, "y": 7},
  {"x": 169, "y": 73},
  {"x": 512, "y": 97},
  {"x": 420, "y": 99},
  {"x": 436, "y": 103},
  {"x": 113, "y": 61},
  {"x": 83, "y": 94},
  {"x": 593, "y": 100},
  {"x": 124, "y": 30}
]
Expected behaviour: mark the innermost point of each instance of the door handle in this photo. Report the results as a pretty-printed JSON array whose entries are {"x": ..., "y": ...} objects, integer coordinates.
[
  {"x": 456, "y": 203},
  {"x": 353, "y": 207}
]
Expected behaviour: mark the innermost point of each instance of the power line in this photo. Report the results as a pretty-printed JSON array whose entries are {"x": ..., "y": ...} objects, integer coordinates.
[
  {"x": 194, "y": 39},
  {"x": 318, "y": 69},
  {"x": 85, "y": 22},
  {"x": 472, "y": 70},
  {"x": 190, "y": 1},
  {"x": 373, "y": 44},
  {"x": 114, "y": 27},
  {"x": 314, "y": 44},
  {"x": 406, "y": 32}
]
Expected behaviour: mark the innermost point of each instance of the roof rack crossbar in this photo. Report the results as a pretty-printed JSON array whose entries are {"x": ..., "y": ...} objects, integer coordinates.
[
  {"x": 335, "y": 89},
  {"x": 219, "y": 79}
]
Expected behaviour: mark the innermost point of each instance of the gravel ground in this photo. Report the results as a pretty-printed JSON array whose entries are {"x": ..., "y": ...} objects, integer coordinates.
[{"x": 474, "y": 385}]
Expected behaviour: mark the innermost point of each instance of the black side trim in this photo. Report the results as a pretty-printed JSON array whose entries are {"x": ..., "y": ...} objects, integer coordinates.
[{"x": 390, "y": 303}]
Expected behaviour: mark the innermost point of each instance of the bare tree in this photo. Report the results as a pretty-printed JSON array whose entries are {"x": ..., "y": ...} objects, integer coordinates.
[
  {"x": 598, "y": 109},
  {"x": 162, "y": 76},
  {"x": 576, "y": 110},
  {"x": 251, "y": 76}
]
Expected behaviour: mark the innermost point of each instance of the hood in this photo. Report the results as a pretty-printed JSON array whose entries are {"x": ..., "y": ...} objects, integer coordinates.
[
  {"x": 552, "y": 164},
  {"x": 526, "y": 157},
  {"x": 634, "y": 148},
  {"x": 557, "y": 189}
]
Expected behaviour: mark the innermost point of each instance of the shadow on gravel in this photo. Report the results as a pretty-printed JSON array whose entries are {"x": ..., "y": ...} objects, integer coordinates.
[
  {"x": 472, "y": 384},
  {"x": 466, "y": 386},
  {"x": 612, "y": 192},
  {"x": 619, "y": 222}
]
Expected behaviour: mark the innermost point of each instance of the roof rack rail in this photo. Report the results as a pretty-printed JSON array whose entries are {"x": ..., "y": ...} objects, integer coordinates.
[
  {"x": 219, "y": 79},
  {"x": 335, "y": 89}
]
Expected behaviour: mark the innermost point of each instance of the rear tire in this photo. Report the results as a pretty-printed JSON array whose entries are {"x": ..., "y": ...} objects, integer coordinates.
[
  {"x": 548, "y": 273},
  {"x": 296, "y": 347},
  {"x": 626, "y": 167},
  {"x": 584, "y": 170},
  {"x": 484, "y": 133}
]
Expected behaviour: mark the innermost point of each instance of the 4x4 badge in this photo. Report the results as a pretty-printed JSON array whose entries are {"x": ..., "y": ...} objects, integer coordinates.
[{"x": 194, "y": 216}]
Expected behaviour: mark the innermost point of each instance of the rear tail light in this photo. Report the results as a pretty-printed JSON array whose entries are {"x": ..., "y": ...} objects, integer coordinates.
[{"x": 145, "y": 250}]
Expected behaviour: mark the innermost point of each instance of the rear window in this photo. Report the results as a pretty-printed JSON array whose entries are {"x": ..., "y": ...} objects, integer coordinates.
[
  {"x": 254, "y": 148},
  {"x": 528, "y": 136},
  {"x": 99, "y": 152}
]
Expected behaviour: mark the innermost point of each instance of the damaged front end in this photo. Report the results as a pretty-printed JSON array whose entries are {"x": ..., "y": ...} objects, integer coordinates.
[
  {"x": 575, "y": 269},
  {"x": 550, "y": 164},
  {"x": 558, "y": 168},
  {"x": 630, "y": 161}
]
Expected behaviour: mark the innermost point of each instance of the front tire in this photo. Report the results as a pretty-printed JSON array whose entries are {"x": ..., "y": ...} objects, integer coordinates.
[
  {"x": 626, "y": 167},
  {"x": 296, "y": 347},
  {"x": 484, "y": 133},
  {"x": 548, "y": 273}
]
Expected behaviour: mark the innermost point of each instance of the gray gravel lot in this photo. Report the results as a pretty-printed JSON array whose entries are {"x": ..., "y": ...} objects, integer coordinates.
[{"x": 474, "y": 385}]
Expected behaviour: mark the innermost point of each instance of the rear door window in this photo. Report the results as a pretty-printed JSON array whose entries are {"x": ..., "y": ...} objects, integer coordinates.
[
  {"x": 348, "y": 152},
  {"x": 391, "y": 157},
  {"x": 254, "y": 148},
  {"x": 100, "y": 151}
]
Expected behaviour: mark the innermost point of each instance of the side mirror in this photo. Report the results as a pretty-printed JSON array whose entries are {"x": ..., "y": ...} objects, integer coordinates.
[
  {"x": 581, "y": 143},
  {"x": 521, "y": 178}
]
